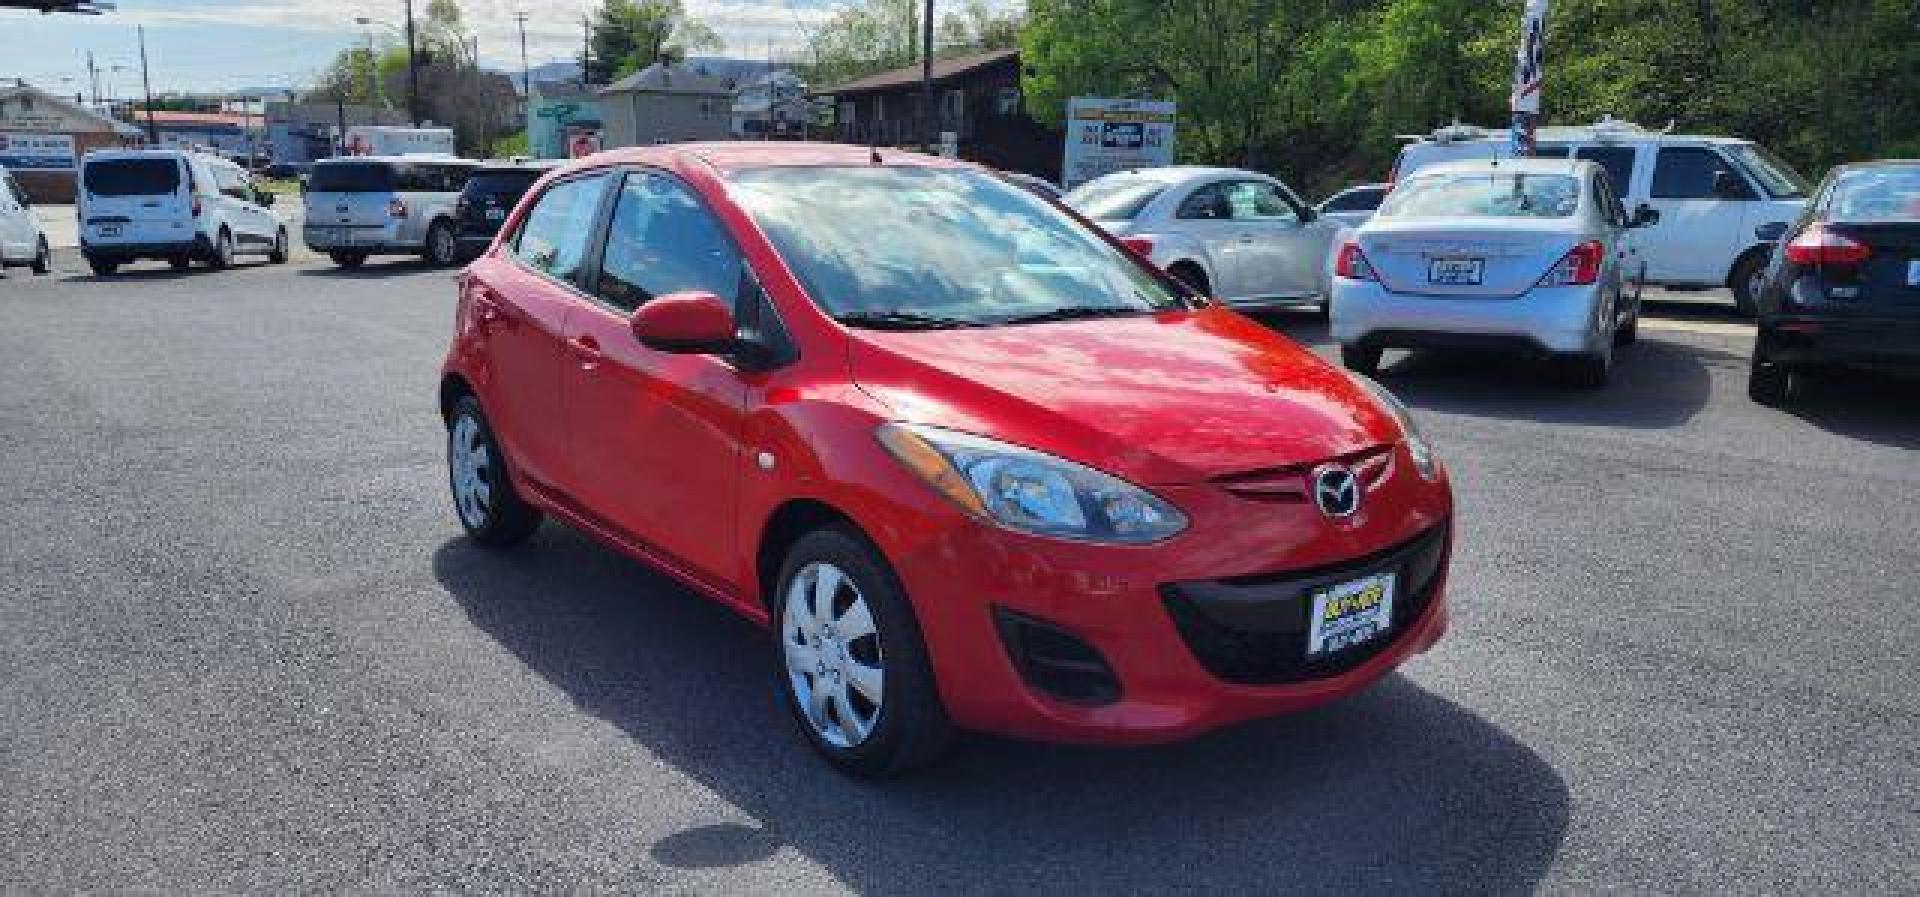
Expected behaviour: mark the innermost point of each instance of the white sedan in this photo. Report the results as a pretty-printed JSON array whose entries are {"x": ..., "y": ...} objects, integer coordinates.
[{"x": 1239, "y": 236}]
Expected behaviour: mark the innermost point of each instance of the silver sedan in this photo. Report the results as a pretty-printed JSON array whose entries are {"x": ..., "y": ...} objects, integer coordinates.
[{"x": 1238, "y": 236}]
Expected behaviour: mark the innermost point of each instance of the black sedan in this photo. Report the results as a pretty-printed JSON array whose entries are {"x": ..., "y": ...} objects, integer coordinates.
[
  {"x": 490, "y": 194},
  {"x": 1843, "y": 287}
]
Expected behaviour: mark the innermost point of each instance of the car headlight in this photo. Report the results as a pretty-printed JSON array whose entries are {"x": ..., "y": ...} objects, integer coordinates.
[
  {"x": 1418, "y": 447},
  {"x": 1029, "y": 491}
]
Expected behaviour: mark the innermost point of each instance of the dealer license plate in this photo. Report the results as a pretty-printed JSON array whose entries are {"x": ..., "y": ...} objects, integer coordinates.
[
  {"x": 496, "y": 214},
  {"x": 109, "y": 230},
  {"x": 1350, "y": 614},
  {"x": 1456, "y": 272}
]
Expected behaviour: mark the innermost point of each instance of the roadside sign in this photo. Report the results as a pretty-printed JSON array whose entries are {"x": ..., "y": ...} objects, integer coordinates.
[
  {"x": 560, "y": 111},
  {"x": 42, "y": 152},
  {"x": 1529, "y": 74},
  {"x": 1106, "y": 135}
]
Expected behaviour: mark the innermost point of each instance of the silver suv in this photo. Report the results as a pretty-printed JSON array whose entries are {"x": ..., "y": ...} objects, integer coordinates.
[{"x": 359, "y": 206}]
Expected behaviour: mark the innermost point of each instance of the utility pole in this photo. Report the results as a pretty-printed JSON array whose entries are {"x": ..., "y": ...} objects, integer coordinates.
[
  {"x": 526, "y": 74},
  {"x": 146, "y": 86},
  {"x": 93, "y": 75},
  {"x": 373, "y": 88},
  {"x": 413, "y": 72},
  {"x": 926, "y": 77},
  {"x": 586, "y": 47}
]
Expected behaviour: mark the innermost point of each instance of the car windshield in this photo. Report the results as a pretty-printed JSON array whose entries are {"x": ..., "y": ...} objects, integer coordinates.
[
  {"x": 1114, "y": 198},
  {"x": 351, "y": 177},
  {"x": 911, "y": 248},
  {"x": 1484, "y": 195},
  {"x": 1876, "y": 195},
  {"x": 1779, "y": 178},
  {"x": 133, "y": 177}
]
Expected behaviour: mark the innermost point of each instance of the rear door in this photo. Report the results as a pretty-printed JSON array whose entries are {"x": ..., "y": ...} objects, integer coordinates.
[
  {"x": 136, "y": 199},
  {"x": 1701, "y": 230},
  {"x": 350, "y": 200}
]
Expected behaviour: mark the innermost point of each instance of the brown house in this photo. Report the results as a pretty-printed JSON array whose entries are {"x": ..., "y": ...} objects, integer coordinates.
[
  {"x": 43, "y": 136},
  {"x": 976, "y": 96}
]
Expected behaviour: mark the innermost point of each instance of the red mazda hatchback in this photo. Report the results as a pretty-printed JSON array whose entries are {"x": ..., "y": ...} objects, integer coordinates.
[{"x": 973, "y": 463}]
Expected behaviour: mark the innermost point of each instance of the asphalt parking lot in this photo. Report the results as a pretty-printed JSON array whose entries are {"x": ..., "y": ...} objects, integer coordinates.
[{"x": 243, "y": 648}]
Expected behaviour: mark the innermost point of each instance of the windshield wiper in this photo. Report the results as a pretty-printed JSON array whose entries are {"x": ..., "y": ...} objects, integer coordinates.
[
  {"x": 1075, "y": 313},
  {"x": 898, "y": 319}
]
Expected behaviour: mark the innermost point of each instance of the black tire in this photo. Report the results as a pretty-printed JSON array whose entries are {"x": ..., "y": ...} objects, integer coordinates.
[
  {"x": 1629, "y": 333},
  {"x": 347, "y": 259},
  {"x": 505, "y": 519},
  {"x": 911, "y": 729},
  {"x": 1745, "y": 282},
  {"x": 442, "y": 248},
  {"x": 103, "y": 267},
  {"x": 278, "y": 255},
  {"x": 180, "y": 262},
  {"x": 1769, "y": 382},
  {"x": 220, "y": 256},
  {"x": 43, "y": 259},
  {"x": 1360, "y": 360},
  {"x": 1586, "y": 371},
  {"x": 1191, "y": 275}
]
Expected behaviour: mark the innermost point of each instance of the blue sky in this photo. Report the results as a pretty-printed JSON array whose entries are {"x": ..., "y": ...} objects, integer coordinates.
[{"x": 227, "y": 45}]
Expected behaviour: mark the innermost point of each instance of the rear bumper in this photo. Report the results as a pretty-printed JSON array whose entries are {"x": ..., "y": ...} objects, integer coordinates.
[
  {"x": 1544, "y": 320},
  {"x": 198, "y": 247},
  {"x": 372, "y": 241},
  {"x": 1816, "y": 340}
]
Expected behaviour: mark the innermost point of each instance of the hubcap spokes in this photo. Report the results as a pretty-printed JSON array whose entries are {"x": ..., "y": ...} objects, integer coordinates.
[
  {"x": 472, "y": 495},
  {"x": 833, "y": 654}
]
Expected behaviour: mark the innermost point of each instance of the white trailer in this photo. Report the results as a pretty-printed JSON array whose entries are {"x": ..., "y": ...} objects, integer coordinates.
[{"x": 389, "y": 140}]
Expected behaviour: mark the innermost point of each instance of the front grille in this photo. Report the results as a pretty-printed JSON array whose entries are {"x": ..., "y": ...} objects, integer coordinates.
[{"x": 1252, "y": 630}]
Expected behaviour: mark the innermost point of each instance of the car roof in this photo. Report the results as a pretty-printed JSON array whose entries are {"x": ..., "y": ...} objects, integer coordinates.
[
  {"x": 738, "y": 155},
  {"x": 422, "y": 157}
]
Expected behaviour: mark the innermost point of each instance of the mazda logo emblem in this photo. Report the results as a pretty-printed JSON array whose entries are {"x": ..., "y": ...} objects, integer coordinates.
[{"x": 1336, "y": 490}]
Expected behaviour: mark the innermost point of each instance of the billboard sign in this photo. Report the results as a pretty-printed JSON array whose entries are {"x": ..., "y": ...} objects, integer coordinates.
[
  {"x": 36, "y": 152},
  {"x": 1111, "y": 135}
]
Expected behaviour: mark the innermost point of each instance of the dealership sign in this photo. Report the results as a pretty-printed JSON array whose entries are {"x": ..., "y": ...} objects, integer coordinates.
[
  {"x": 1111, "y": 135},
  {"x": 23, "y": 152}
]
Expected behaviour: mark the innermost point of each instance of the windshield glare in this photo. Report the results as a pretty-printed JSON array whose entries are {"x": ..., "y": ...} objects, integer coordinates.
[
  {"x": 946, "y": 244},
  {"x": 1779, "y": 178},
  {"x": 1484, "y": 195},
  {"x": 1113, "y": 198},
  {"x": 1876, "y": 195}
]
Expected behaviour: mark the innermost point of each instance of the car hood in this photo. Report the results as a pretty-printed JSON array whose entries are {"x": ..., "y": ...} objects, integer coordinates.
[{"x": 1163, "y": 399}]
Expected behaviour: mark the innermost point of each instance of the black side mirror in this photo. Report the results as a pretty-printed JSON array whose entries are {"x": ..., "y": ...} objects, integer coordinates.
[
  {"x": 1727, "y": 185},
  {"x": 1644, "y": 216}
]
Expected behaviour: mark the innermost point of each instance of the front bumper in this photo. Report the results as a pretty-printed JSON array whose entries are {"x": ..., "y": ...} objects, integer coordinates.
[
  {"x": 1543, "y": 320},
  {"x": 967, "y": 580}
]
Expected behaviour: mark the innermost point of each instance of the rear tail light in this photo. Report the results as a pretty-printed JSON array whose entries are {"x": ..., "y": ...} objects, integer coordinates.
[
  {"x": 1352, "y": 264},
  {"x": 1141, "y": 246},
  {"x": 1580, "y": 266},
  {"x": 1819, "y": 246},
  {"x": 396, "y": 208}
]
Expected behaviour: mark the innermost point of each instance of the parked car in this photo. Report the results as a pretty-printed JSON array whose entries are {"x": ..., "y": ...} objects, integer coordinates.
[
  {"x": 1844, "y": 286},
  {"x": 23, "y": 242},
  {"x": 1722, "y": 201},
  {"x": 1240, "y": 236},
  {"x": 1353, "y": 206},
  {"x": 491, "y": 192},
  {"x": 1527, "y": 255},
  {"x": 361, "y": 206},
  {"x": 174, "y": 205},
  {"x": 991, "y": 472}
]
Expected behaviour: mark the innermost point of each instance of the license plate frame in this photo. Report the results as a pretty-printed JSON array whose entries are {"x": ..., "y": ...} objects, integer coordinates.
[
  {"x": 1349, "y": 614},
  {"x": 110, "y": 231},
  {"x": 1457, "y": 272},
  {"x": 496, "y": 214}
]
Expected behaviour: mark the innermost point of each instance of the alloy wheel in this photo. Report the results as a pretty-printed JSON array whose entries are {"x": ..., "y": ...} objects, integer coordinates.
[
  {"x": 833, "y": 655},
  {"x": 472, "y": 462}
]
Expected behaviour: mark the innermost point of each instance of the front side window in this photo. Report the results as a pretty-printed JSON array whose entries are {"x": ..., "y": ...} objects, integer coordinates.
[
  {"x": 1484, "y": 195},
  {"x": 554, "y": 238},
  {"x": 1258, "y": 201},
  {"x": 1779, "y": 179},
  {"x": 1618, "y": 162},
  {"x": 932, "y": 247},
  {"x": 1686, "y": 172},
  {"x": 664, "y": 240},
  {"x": 1113, "y": 198},
  {"x": 1363, "y": 199}
]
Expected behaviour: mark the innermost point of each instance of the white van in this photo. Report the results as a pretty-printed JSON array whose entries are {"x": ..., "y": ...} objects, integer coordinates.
[
  {"x": 23, "y": 243},
  {"x": 359, "y": 206},
  {"x": 174, "y": 205},
  {"x": 1722, "y": 201}
]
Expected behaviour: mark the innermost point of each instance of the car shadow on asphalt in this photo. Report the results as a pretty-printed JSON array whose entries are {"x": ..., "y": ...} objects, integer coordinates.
[
  {"x": 1395, "y": 789},
  {"x": 1657, "y": 384},
  {"x": 1876, "y": 406},
  {"x": 153, "y": 272},
  {"x": 374, "y": 269}
]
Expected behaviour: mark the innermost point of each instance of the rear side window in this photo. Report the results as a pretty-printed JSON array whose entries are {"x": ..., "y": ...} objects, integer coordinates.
[
  {"x": 133, "y": 177},
  {"x": 664, "y": 240},
  {"x": 1617, "y": 160},
  {"x": 553, "y": 240},
  {"x": 1686, "y": 172},
  {"x": 430, "y": 178},
  {"x": 1500, "y": 195},
  {"x": 1365, "y": 199},
  {"x": 352, "y": 177}
]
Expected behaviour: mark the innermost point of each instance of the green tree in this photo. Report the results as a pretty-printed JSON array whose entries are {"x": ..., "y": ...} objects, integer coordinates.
[{"x": 626, "y": 36}]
